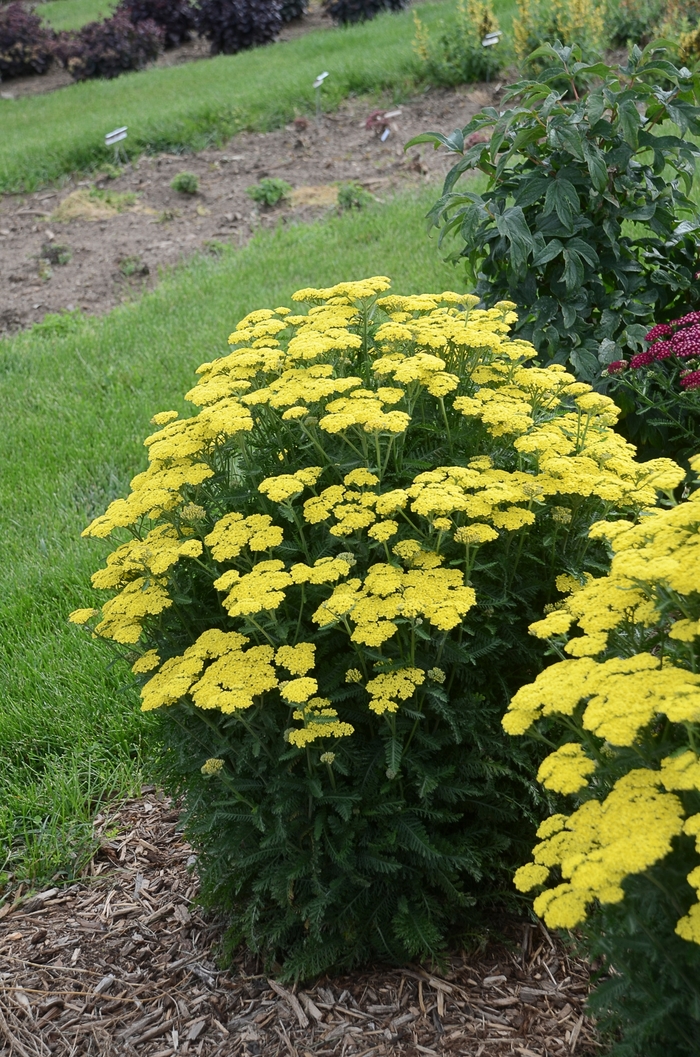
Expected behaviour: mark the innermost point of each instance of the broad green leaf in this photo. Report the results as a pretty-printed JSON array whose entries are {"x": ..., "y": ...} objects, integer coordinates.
[{"x": 563, "y": 199}]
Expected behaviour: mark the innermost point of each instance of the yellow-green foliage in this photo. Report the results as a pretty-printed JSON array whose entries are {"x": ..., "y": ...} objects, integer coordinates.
[
  {"x": 569, "y": 21},
  {"x": 456, "y": 55},
  {"x": 630, "y": 699}
]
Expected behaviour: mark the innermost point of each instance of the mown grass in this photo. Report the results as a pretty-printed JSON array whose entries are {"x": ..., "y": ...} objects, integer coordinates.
[
  {"x": 72, "y": 14},
  {"x": 76, "y": 397},
  {"x": 186, "y": 107}
]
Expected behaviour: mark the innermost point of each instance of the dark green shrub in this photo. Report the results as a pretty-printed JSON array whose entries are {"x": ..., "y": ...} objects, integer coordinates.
[
  {"x": 233, "y": 25},
  {"x": 567, "y": 179}
]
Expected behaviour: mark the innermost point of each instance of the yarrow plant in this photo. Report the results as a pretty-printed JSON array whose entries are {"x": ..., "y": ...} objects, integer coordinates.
[
  {"x": 627, "y": 701},
  {"x": 318, "y": 580},
  {"x": 658, "y": 388}
]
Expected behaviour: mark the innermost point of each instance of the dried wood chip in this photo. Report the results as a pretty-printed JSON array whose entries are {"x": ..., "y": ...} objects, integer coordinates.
[{"x": 292, "y": 1001}]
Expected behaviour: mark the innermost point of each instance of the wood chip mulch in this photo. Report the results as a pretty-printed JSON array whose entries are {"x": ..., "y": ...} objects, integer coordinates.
[{"x": 123, "y": 963}]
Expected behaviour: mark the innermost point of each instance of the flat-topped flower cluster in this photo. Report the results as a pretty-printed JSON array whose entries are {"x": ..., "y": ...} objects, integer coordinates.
[
  {"x": 379, "y": 561},
  {"x": 323, "y": 581},
  {"x": 629, "y": 702}
]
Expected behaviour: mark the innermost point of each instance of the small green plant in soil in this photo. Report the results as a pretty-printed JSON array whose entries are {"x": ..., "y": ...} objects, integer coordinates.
[
  {"x": 568, "y": 176},
  {"x": 56, "y": 253},
  {"x": 119, "y": 200},
  {"x": 133, "y": 266},
  {"x": 269, "y": 191},
  {"x": 185, "y": 183},
  {"x": 353, "y": 196}
]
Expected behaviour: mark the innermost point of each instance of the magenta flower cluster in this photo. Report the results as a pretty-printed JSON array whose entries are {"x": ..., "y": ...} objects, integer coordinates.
[{"x": 680, "y": 338}]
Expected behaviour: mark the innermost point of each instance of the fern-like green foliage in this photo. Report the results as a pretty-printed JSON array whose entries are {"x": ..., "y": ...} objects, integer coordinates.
[{"x": 648, "y": 1003}]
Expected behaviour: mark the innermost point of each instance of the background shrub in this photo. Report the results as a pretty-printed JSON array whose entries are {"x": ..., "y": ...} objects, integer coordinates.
[
  {"x": 176, "y": 18},
  {"x": 325, "y": 591},
  {"x": 292, "y": 9},
  {"x": 625, "y": 707},
  {"x": 232, "y": 25},
  {"x": 580, "y": 22},
  {"x": 25, "y": 43},
  {"x": 632, "y": 20},
  {"x": 552, "y": 228},
  {"x": 109, "y": 48},
  {"x": 457, "y": 55},
  {"x": 346, "y": 12}
]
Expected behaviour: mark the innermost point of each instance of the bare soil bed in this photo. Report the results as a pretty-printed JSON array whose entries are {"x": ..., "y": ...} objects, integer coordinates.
[
  {"x": 124, "y": 963},
  {"x": 91, "y": 244}
]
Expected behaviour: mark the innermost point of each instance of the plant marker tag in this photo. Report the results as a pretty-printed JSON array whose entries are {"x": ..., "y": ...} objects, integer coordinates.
[
  {"x": 491, "y": 38},
  {"x": 317, "y": 85},
  {"x": 112, "y": 138}
]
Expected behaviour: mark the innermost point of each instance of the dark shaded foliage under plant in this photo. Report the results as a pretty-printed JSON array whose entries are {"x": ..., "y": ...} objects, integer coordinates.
[
  {"x": 233, "y": 25},
  {"x": 566, "y": 178},
  {"x": 347, "y": 12},
  {"x": 293, "y": 9},
  {"x": 177, "y": 18},
  {"x": 25, "y": 42},
  {"x": 646, "y": 1001},
  {"x": 109, "y": 48}
]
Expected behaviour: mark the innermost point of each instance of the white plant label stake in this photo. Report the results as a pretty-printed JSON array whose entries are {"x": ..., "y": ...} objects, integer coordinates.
[
  {"x": 317, "y": 85},
  {"x": 113, "y": 139}
]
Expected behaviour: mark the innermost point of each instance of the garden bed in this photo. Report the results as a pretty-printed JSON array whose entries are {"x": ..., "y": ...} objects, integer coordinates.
[
  {"x": 114, "y": 255},
  {"x": 124, "y": 962}
]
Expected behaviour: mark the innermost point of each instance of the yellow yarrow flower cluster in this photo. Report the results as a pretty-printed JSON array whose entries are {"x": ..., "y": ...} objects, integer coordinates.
[
  {"x": 281, "y": 510},
  {"x": 620, "y": 702}
]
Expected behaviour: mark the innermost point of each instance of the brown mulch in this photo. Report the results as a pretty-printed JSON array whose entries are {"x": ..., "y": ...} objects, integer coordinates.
[{"x": 124, "y": 963}]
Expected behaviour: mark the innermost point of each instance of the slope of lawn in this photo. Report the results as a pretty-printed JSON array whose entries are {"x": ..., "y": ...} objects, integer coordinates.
[
  {"x": 72, "y": 14},
  {"x": 186, "y": 107},
  {"x": 76, "y": 396}
]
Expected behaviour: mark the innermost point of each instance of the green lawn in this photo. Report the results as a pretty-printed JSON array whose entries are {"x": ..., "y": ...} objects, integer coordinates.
[
  {"x": 185, "y": 107},
  {"x": 72, "y": 14},
  {"x": 76, "y": 397}
]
